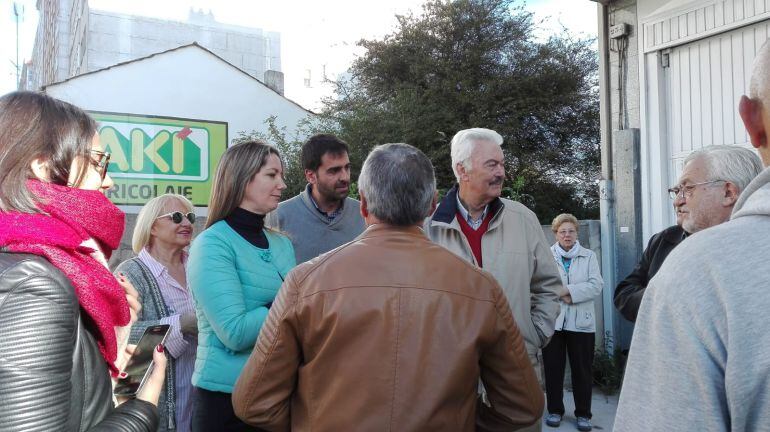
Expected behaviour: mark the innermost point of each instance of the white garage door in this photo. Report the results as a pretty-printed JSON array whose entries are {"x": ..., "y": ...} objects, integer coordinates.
[
  {"x": 703, "y": 82},
  {"x": 697, "y": 57}
]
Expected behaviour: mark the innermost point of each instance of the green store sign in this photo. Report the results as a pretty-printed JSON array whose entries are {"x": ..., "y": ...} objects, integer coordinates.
[{"x": 156, "y": 155}]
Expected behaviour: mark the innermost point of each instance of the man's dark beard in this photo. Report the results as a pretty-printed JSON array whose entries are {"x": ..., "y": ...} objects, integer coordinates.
[{"x": 331, "y": 195}]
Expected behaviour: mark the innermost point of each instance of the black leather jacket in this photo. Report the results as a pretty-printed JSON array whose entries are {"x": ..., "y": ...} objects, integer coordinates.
[
  {"x": 629, "y": 292},
  {"x": 52, "y": 376}
]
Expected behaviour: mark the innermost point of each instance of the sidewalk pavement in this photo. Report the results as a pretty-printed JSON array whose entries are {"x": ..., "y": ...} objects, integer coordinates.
[{"x": 603, "y": 409}]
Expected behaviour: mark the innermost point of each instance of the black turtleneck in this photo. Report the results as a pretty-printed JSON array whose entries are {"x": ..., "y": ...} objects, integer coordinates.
[{"x": 249, "y": 226}]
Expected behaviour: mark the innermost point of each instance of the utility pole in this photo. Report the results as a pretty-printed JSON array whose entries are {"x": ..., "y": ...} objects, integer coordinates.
[{"x": 18, "y": 13}]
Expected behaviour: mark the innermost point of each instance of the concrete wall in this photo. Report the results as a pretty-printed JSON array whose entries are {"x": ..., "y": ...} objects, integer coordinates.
[
  {"x": 60, "y": 24},
  {"x": 627, "y": 88}
]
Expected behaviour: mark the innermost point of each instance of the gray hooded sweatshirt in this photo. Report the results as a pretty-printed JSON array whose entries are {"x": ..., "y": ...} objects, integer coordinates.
[{"x": 700, "y": 354}]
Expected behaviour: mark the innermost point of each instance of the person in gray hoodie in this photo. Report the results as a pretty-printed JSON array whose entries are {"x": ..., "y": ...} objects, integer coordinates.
[{"x": 700, "y": 356}]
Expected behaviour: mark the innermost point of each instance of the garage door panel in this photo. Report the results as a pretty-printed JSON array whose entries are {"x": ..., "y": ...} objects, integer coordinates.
[
  {"x": 707, "y": 90},
  {"x": 704, "y": 82},
  {"x": 716, "y": 81}
]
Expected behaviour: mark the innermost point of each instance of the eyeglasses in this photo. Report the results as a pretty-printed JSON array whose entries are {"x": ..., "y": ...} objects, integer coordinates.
[
  {"x": 686, "y": 190},
  {"x": 177, "y": 217},
  {"x": 102, "y": 163}
]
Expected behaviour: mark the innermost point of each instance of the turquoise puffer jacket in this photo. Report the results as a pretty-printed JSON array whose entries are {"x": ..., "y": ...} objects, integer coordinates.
[{"x": 232, "y": 283}]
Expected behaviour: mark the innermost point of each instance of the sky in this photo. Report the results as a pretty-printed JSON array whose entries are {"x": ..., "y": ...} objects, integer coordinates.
[{"x": 312, "y": 32}]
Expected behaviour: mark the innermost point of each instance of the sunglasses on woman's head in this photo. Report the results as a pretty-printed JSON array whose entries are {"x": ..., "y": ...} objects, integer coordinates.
[{"x": 177, "y": 217}]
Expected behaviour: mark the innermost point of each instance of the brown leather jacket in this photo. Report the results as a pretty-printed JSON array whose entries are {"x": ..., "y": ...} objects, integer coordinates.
[{"x": 390, "y": 332}]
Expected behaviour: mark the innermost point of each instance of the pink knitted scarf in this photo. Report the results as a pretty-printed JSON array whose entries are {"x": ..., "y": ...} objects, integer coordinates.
[{"x": 71, "y": 217}]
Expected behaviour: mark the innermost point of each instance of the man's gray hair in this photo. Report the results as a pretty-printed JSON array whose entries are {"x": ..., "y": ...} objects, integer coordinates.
[
  {"x": 463, "y": 142},
  {"x": 737, "y": 165},
  {"x": 398, "y": 183}
]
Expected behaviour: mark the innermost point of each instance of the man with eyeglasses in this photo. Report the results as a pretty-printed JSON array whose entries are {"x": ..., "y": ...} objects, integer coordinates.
[
  {"x": 712, "y": 180},
  {"x": 700, "y": 356}
]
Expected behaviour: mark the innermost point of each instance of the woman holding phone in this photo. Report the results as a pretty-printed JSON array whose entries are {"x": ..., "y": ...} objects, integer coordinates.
[
  {"x": 235, "y": 269},
  {"x": 60, "y": 305},
  {"x": 163, "y": 231}
]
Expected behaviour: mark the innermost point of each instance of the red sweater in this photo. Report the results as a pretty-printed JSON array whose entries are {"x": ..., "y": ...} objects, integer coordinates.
[{"x": 474, "y": 236}]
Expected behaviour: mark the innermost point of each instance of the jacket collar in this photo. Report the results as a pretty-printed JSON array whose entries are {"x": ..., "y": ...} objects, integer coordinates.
[
  {"x": 382, "y": 229},
  {"x": 447, "y": 208},
  {"x": 674, "y": 234},
  {"x": 755, "y": 198},
  {"x": 584, "y": 252}
]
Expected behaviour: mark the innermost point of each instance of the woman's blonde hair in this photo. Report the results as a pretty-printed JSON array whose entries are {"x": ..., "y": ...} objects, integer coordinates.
[
  {"x": 238, "y": 166},
  {"x": 563, "y": 218},
  {"x": 147, "y": 215}
]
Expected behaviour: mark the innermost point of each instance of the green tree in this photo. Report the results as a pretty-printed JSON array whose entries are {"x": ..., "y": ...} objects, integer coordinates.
[{"x": 477, "y": 63}]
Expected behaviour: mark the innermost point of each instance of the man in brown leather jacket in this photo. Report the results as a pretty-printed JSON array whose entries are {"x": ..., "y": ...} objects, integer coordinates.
[{"x": 390, "y": 331}]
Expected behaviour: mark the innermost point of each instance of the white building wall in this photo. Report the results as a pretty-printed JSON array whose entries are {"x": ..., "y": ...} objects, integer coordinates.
[
  {"x": 696, "y": 60},
  {"x": 189, "y": 83}
]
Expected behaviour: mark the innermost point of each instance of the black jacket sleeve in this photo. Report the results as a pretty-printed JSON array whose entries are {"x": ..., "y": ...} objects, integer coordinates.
[
  {"x": 131, "y": 416},
  {"x": 629, "y": 292},
  {"x": 37, "y": 338},
  {"x": 39, "y": 315}
]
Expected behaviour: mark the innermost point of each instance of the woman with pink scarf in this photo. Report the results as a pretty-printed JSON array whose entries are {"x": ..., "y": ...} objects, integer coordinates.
[{"x": 63, "y": 316}]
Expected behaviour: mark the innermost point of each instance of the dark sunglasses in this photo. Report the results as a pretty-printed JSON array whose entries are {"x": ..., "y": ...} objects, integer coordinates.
[
  {"x": 102, "y": 163},
  {"x": 177, "y": 217}
]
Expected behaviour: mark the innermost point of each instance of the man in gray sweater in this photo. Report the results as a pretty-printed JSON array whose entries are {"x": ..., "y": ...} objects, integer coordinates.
[
  {"x": 700, "y": 355},
  {"x": 321, "y": 217}
]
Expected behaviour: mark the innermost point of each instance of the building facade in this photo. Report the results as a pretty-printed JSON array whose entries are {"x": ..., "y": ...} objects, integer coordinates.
[{"x": 73, "y": 39}]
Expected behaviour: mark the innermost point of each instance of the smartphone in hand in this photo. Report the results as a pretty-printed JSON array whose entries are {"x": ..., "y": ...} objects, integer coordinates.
[{"x": 140, "y": 364}]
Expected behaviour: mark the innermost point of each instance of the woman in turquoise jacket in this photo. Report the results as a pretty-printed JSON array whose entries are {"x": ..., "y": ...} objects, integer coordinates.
[{"x": 235, "y": 269}]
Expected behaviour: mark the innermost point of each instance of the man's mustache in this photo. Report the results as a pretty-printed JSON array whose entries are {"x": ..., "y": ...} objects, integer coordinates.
[{"x": 497, "y": 181}]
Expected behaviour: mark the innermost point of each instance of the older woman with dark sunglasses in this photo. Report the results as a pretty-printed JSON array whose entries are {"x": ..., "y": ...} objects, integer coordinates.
[{"x": 163, "y": 230}]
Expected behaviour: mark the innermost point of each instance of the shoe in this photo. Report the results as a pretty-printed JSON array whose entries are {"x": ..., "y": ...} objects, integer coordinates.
[
  {"x": 584, "y": 424},
  {"x": 553, "y": 420}
]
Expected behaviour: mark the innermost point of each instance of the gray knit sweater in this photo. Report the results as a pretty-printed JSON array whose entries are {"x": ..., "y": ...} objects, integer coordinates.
[
  {"x": 310, "y": 232},
  {"x": 153, "y": 309},
  {"x": 700, "y": 355}
]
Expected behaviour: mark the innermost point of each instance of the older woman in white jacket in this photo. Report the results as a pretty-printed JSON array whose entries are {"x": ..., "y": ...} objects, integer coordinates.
[{"x": 575, "y": 325}]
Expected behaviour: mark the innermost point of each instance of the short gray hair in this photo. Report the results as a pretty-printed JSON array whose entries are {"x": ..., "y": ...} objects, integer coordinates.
[
  {"x": 147, "y": 215},
  {"x": 398, "y": 183},
  {"x": 737, "y": 165},
  {"x": 463, "y": 142}
]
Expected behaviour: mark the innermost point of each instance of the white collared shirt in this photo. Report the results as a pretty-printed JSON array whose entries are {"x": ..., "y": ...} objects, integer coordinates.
[{"x": 475, "y": 224}]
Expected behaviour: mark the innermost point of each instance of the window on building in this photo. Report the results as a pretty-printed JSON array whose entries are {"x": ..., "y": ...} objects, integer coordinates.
[{"x": 307, "y": 77}]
